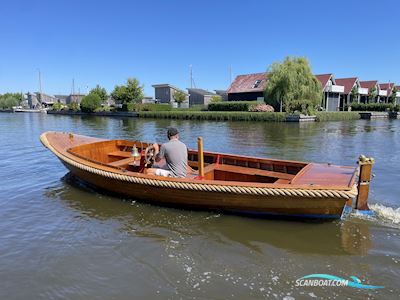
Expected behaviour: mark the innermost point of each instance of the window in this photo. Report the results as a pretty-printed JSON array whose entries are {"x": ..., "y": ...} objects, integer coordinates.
[{"x": 256, "y": 84}]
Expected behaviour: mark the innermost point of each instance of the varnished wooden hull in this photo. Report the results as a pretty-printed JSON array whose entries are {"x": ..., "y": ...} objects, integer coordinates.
[{"x": 246, "y": 203}]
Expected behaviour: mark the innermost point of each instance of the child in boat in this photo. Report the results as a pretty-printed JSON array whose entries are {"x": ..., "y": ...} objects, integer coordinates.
[{"x": 175, "y": 154}]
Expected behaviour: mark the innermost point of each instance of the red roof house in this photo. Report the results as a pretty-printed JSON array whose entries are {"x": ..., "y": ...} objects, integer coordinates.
[
  {"x": 348, "y": 83},
  {"x": 248, "y": 83},
  {"x": 386, "y": 86},
  {"x": 247, "y": 87},
  {"x": 387, "y": 89},
  {"x": 369, "y": 84},
  {"x": 323, "y": 79}
]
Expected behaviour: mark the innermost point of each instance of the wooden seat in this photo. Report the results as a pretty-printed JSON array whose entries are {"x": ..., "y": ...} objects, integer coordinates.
[
  {"x": 122, "y": 162},
  {"x": 252, "y": 171},
  {"x": 282, "y": 181},
  {"x": 120, "y": 154}
]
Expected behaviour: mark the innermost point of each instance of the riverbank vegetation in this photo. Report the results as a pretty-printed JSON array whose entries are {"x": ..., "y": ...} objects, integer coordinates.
[
  {"x": 9, "y": 100},
  {"x": 128, "y": 94},
  {"x": 374, "y": 107},
  {"x": 322, "y": 116},
  {"x": 243, "y": 116},
  {"x": 215, "y": 115},
  {"x": 90, "y": 103}
]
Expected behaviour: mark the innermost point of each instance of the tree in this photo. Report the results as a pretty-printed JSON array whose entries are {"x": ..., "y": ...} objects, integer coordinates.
[
  {"x": 101, "y": 92},
  {"x": 372, "y": 94},
  {"x": 354, "y": 93},
  {"x": 129, "y": 93},
  {"x": 292, "y": 86},
  {"x": 179, "y": 97},
  {"x": 90, "y": 103},
  {"x": 8, "y": 100},
  {"x": 392, "y": 97},
  {"x": 74, "y": 106},
  {"x": 216, "y": 98}
]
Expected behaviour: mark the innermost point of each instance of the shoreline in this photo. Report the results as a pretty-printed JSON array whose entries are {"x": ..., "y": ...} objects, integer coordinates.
[
  {"x": 235, "y": 116},
  {"x": 96, "y": 114},
  {"x": 221, "y": 115}
]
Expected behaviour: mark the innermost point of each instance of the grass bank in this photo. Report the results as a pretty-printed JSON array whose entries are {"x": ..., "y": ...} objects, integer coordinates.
[
  {"x": 243, "y": 116},
  {"x": 215, "y": 115},
  {"x": 185, "y": 114},
  {"x": 337, "y": 116}
]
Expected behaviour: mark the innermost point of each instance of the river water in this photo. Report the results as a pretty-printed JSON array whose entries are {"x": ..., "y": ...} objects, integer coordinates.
[{"x": 60, "y": 239}]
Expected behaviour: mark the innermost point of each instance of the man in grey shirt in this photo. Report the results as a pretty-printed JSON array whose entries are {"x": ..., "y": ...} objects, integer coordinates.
[{"x": 175, "y": 154}]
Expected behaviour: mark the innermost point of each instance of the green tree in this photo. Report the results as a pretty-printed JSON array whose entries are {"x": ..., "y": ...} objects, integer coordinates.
[
  {"x": 57, "y": 106},
  {"x": 392, "y": 97},
  {"x": 215, "y": 99},
  {"x": 179, "y": 97},
  {"x": 90, "y": 103},
  {"x": 372, "y": 94},
  {"x": 354, "y": 94},
  {"x": 292, "y": 86},
  {"x": 101, "y": 92},
  {"x": 74, "y": 106},
  {"x": 8, "y": 100},
  {"x": 131, "y": 92}
]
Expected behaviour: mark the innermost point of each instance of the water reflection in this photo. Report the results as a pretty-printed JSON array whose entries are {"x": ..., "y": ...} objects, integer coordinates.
[{"x": 349, "y": 237}]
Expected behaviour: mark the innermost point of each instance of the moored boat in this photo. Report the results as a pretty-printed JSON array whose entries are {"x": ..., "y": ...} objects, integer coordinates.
[{"x": 215, "y": 181}]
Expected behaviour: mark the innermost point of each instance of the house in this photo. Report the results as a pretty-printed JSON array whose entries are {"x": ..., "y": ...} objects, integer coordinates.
[
  {"x": 252, "y": 86},
  {"x": 331, "y": 92},
  {"x": 385, "y": 91},
  {"x": 397, "y": 88},
  {"x": 74, "y": 98},
  {"x": 248, "y": 87},
  {"x": 350, "y": 84},
  {"x": 62, "y": 98},
  {"x": 199, "y": 96},
  {"x": 33, "y": 101},
  {"x": 38, "y": 100},
  {"x": 164, "y": 93},
  {"x": 223, "y": 94},
  {"x": 370, "y": 85}
]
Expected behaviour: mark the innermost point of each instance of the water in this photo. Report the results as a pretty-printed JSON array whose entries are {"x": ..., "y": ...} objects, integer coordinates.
[{"x": 61, "y": 240}]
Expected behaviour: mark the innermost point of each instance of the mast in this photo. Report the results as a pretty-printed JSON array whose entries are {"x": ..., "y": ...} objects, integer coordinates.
[
  {"x": 40, "y": 86},
  {"x": 40, "y": 83},
  {"x": 190, "y": 76}
]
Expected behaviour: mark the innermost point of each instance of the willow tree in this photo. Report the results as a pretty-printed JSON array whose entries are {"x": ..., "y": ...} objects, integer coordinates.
[{"x": 292, "y": 87}]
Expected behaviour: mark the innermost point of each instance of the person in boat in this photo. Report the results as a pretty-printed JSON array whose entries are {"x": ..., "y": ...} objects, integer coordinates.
[{"x": 175, "y": 154}]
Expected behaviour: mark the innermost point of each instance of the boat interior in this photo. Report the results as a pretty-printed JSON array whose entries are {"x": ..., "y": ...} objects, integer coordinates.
[{"x": 221, "y": 167}]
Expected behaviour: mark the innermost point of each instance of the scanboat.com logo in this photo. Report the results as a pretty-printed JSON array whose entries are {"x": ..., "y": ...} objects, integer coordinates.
[{"x": 330, "y": 280}]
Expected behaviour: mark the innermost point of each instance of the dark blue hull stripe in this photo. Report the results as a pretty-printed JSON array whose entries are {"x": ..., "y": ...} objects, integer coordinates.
[{"x": 266, "y": 214}]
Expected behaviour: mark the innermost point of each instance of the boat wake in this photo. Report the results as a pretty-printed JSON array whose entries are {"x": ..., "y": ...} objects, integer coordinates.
[{"x": 387, "y": 214}]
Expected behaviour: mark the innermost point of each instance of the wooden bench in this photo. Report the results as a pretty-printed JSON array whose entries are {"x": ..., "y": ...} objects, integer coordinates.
[
  {"x": 252, "y": 171},
  {"x": 120, "y": 154},
  {"x": 122, "y": 162},
  {"x": 282, "y": 181}
]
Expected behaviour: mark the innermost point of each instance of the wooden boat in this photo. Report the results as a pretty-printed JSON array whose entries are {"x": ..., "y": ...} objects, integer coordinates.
[{"x": 216, "y": 181}]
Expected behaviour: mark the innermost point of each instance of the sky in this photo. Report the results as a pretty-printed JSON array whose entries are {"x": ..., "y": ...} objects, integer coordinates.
[{"x": 106, "y": 42}]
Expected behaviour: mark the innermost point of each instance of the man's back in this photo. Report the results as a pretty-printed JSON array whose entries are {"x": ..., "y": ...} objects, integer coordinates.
[{"x": 175, "y": 153}]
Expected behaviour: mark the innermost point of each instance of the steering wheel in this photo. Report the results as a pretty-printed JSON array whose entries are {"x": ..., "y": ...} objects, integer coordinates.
[{"x": 149, "y": 156}]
